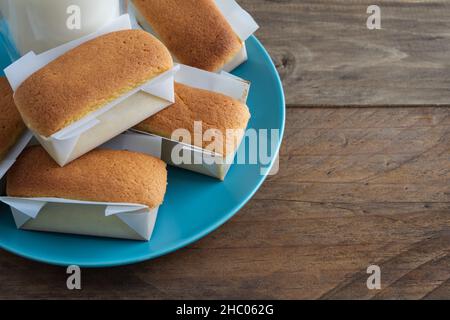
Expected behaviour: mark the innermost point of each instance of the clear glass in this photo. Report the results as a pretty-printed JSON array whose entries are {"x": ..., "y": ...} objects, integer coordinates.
[{"x": 39, "y": 25}]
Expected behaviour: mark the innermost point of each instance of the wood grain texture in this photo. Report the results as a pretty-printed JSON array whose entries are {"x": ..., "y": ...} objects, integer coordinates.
[
  {"x": 355, "y": 188},
  {"x": 327, "y": 56}
]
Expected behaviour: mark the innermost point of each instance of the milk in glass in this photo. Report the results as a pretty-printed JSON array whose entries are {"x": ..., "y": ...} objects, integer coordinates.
[{"x": 39, "y": 25}]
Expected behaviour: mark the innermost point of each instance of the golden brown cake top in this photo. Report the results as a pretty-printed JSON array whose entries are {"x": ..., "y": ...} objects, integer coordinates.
[
  {"x": 99, "y": 176},
  {"x": 195, "y": 31},
  {"x": 216, "y": 111},
  {"x": 88, "y": 77},
  {"x": 11, "y": 124}
]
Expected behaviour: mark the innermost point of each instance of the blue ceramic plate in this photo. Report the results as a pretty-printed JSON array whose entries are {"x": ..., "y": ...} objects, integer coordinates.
[{"x": 194, "y": 205}]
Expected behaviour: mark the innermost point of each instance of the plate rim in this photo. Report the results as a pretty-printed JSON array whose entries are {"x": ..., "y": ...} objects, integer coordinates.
[{"x": 119, "y": 262}]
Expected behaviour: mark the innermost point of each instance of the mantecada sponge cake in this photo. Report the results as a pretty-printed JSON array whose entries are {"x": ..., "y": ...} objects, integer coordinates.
[
  {"x": 195, "y": 31},
  {"x": 11, "y": 124},
  {"x": 88, "y": 77},
  {"x": 101, "y": 175},
  {"x": 215, "y": 111}
]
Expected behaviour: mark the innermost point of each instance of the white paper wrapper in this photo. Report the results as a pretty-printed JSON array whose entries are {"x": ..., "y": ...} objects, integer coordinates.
[
  {"x": 107, "y": 122},
  {"x": 11, "y": 157},
  {"x": 203, "y": 161},
  {"x": 240, "y": 21},
  {"x": 102, "y": 219},
  {"x": 114, "y": 220}
]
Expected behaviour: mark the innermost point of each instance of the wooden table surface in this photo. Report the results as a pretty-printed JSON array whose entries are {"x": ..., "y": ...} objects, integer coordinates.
[{"x": 364, "y": 176}]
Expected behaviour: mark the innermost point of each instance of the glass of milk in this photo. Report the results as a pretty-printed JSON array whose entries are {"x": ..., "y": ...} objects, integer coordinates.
[{"x": 40, "y": 25}]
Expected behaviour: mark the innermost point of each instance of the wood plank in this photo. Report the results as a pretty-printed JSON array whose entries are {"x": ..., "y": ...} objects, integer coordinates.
[
  {"x": 327, "y": 56},
  {"x": 355, "y": 188}
]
